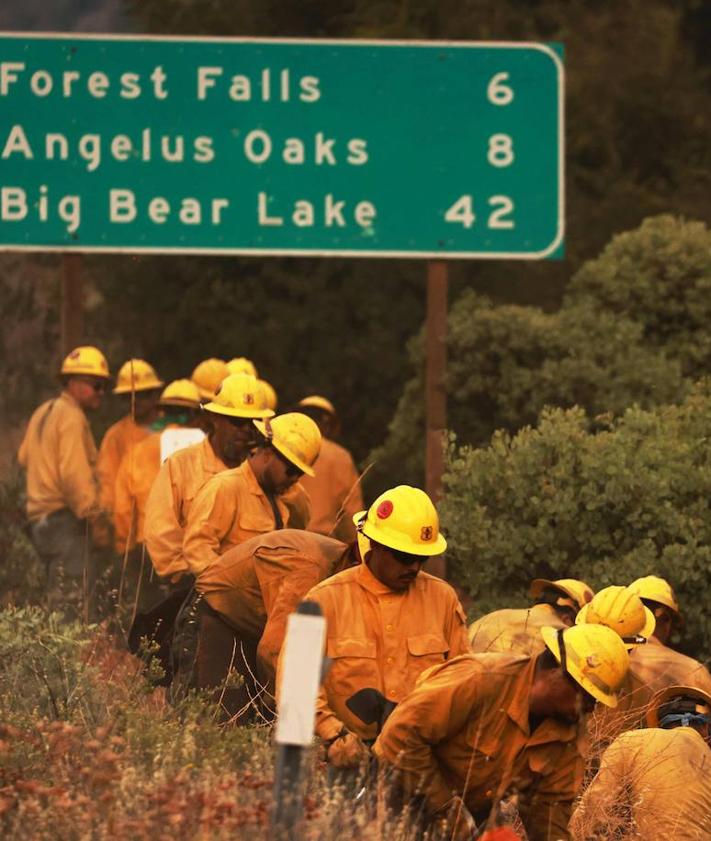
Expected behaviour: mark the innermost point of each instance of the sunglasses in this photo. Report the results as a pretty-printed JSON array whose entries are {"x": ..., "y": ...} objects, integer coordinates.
[
  {"x": 291, "y": 469},
  {"x": 99, "y": 386},
  {"x": 406, "y": 558},
  {"x": 239, "y": 423}
]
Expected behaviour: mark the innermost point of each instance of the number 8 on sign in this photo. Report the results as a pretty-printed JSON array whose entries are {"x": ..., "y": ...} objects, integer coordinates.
[{"x": 500, "y": 150}]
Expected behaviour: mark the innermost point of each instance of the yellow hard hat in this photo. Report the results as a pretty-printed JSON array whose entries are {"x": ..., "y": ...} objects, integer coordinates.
[
  {"x": 622, "y": 610},
  {"x": 181, "y": 393},
  {"x": 137, "y": 375},
  {"x": 318, "y": 402},
  {"x": 208, "y": 375},
  {"x": 403, "y": 519},
  {"x": 296, "y": 437},
  {"x": 656, "y": 590},
  {"x": 86, "y": 360},
  {"x": 692, "y": 700},
  {"x": 580, "y": 592},
  {"x": 271, "y": 395},
  {"x": 240, "y": 396},
  {"x": 242, "y": 365},
  {"x": 593, "y": 655}
]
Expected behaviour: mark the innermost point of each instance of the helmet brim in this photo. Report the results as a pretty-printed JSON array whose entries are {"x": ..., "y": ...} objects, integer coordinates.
[
  {"x": 150, "y": 386},
  {"x": 217, "y": 409},
  {"x": 550, "y": 637},
  {"x": 652, "y": 713},
  {"x": 285, "y": 451}
]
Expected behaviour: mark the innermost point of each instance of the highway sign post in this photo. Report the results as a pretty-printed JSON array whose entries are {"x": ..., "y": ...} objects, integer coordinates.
[{"x": 397, "y": 149}]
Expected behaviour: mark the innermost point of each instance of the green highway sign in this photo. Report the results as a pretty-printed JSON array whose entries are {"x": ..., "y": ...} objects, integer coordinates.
[{"x": 266, "y": 146}]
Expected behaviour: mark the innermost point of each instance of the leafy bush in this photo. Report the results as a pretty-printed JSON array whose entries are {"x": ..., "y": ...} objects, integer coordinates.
[
  {"x": 558, "y": 501},
  {"x": 507, "y": 362},
  {"x": 658, "y": 276}
]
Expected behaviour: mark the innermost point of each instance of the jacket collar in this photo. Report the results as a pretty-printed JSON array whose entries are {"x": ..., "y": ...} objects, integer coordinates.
[
  {"x": 213, "y": 463},
  {"x": 252, "y": 483},
  {"x": 369, "y": 582}
]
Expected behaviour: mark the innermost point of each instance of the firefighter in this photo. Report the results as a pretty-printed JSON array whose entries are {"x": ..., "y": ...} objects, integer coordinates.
[
  {"x": 242, "y": 365},
  {"x": 59, "y": 455},
  {"x": 179, "y": 404},
  {"x": 653, "y": 666},
  {"x": 139, "y": 387},
  {"x": 517, "y": 630},
  {"x": 335, "y": 491},
  {"x": 241, "y": 503},
  {"x": 654, "y": 782},
  {"x": 240, "y": 400},
  {"x": 237, "y": 616},
  {"x": 487, "y": 729},
  {"x": 621, "y": 609},
  {"x": 387, "y": 620},
  {"x": 208, "y": 375}
]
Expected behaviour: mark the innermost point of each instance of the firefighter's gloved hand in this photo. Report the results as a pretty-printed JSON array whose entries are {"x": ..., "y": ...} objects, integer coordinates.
[
  {"x": 347, "y": 751},
  {"x": 456, "y": 820}
]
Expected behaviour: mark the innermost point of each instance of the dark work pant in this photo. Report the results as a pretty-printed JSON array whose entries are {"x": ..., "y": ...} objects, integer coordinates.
[
  {"x": 63, "y": 543},
  {"x": 205, "y": 650}
]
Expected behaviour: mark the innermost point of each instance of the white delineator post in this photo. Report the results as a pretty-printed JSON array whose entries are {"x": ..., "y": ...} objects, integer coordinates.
[{"x": 301, "y": 670}]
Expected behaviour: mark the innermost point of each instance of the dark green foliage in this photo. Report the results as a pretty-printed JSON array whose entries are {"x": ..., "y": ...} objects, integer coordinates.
[
  {"x": 507, "y": 362},
  {"x": 558, "y": 501},
  {"x": 658, "y": 276}
]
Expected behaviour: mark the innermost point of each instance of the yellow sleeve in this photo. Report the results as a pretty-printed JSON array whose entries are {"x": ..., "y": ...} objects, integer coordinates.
[
  {"x": 436, "y": 709},
  {"x": 212, "y": 514},
  {"x": 549, "y": 813},
  {"x": 22, "y": 451},
  {"x": 107, "y": 467},
  {"x": 282, "y": 597},
  {"x": 457, "y": 630},
  {"x": 79, "y": 486},
  {"x": 163, "y": 532},
  {"x": 298, "y": 504},
  {"x": 124, "y": 507}
]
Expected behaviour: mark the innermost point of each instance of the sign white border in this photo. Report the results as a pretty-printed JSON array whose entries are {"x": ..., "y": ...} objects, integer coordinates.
[{"x": 311, "y": 252}]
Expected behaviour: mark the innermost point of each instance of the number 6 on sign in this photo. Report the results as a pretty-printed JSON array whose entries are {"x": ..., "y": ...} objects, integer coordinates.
[{"x": 497, "y": 92}]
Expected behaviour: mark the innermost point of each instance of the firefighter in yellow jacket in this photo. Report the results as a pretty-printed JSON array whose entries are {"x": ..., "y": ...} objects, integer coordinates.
[
  {"x": 237, "y": 616},
  {"x": 654, "y": 782},
  {"x": 488, "y": 729},
  {"x": 59, "y": 455},
  {"x": 238, "y": 504},
  {"x": 387, "y": 620},
  {"x": 653, "y": 666},
  {"x": 139, "y": 386},
  {"x": 517, "y": 630},
  {"x": 334, "y": 491},
  {"x": 240, "y": 400}
]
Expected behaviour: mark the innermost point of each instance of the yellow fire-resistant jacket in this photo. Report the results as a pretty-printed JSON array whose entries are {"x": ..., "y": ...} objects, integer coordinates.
[
  {"x": 179, "y": 479},
  {"x": 652, "y": 784},
  {"x": 135, "y": 477},
  {"x": 118, "y": 440},
  {"x": 59, "y": 454},
  {"x": 514, "y": 631},
  {"x": 653, "y": 666},
  {"x": 229, "y": 509},
  {"x": 256, "y": 585},
  {"x": 334, "y": 490},
  {"x": 380, "y": 639},
  {"x": 465, "y": 731}
]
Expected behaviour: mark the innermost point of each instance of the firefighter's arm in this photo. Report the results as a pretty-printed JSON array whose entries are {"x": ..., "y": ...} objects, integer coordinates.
[
  {"x": 211, "y": 516},
  {"x": 124, "y": 508},
  {"x": 78, "y": 480},
  {"x": 163, "y": 533},
  {"x": 437, "y": 709}
]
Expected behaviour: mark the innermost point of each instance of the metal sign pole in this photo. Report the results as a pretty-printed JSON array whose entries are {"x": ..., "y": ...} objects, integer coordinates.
[
  {"x": 72, "y": 303},
  {"x": 435, "y": 388}
]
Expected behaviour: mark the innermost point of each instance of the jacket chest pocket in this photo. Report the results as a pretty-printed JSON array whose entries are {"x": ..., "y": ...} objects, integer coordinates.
[
  {"x": 254, "y": 521},
  {"x": 427, "y": 650},
  {"x": 354, "y": 665}
]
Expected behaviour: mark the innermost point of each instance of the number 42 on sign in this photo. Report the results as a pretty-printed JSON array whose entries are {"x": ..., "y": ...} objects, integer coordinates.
[{"x": 499, "y": 218}]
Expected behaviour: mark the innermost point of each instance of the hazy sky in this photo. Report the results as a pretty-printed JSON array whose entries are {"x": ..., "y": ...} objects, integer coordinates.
[{"x": 62, "y": 15}]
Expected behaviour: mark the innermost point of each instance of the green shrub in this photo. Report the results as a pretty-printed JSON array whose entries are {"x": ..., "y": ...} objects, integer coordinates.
[
  {"x": 658, "y": 276},
  {"x": 22, "y": 574},
  {"x": 506, "y": 363},
  {"x": 559, "y": 501}
]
